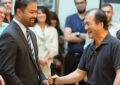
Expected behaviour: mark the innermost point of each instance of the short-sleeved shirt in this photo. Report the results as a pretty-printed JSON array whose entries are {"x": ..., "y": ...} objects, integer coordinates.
[
  {"x": 77, "y": 25},
  {"x": 100, "y": 63},
  {"x": 3, "y": 26}
]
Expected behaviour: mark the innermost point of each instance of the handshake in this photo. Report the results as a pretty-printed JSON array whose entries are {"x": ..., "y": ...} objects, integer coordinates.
[
  {"x": 68, "y": 79},
  {"x": 53, "y": 80}
]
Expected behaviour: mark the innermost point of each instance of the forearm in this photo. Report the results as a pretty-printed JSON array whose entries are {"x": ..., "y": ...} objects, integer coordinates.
[
  {"x": 117, "y": 82},
  {"x": 73, "y": 38},
  {"x": 117, "y": 79},
  {"x": 72, "y": 77}
]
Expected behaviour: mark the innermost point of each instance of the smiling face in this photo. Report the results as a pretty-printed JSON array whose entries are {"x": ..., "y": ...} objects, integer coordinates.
[
  {"x": 2, "y": 13},
  {"x": 41, "y": 17},
  {"x": 28, "y": 15},
  {"x": 91, "y": 26}
]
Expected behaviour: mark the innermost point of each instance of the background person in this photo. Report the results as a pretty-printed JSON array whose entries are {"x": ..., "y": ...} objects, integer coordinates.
[
  {"x": 54, "y": 20},
  {"x": 8, "y": 5},
  {"x": 75, "y": 36},
  {"x": 47, "y": 39},
  {"x": 3, "y": 25}
]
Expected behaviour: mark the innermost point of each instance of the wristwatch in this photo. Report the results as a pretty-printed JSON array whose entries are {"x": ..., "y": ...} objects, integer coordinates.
[{"x": 78, "y": 34}]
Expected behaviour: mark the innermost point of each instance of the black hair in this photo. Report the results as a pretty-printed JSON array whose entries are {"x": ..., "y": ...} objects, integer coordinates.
[
  {"x": 53, "y": 16},
  {"x": 106, "y": 4},
  {"x": 99, "y": 16},
  {"x": 75, "y": 1},
  {"x": 22, "y": 4},
  {"x": 46, "y": 11}
]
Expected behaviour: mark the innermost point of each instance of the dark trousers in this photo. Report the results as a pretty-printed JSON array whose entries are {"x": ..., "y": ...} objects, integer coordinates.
[{"x": 70, "y": 64}]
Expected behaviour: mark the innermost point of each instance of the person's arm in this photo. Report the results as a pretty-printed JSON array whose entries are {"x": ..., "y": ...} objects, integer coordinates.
[
  {"x": 117, "y": 78},
  {"x": 71, "y": 37},
  {"x": 73, "y": 77},
  {"x": 8, "y": 54}
]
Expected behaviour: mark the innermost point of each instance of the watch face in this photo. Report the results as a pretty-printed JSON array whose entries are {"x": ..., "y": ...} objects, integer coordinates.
[{"x": 77, "y": 34}]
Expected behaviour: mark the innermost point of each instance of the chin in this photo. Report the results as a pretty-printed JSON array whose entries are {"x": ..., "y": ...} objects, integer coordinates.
[
  {"x": 31, "y": 25},
  {"x": 90, "y": 37}
]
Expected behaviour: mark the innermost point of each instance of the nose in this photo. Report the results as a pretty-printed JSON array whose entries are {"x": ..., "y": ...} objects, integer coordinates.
[{"x": 35, "y": 15}]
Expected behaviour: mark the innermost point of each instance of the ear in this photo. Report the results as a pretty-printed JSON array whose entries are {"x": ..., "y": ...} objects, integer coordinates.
[
  {"x": 112, "y": 13},
  {"x": 101, "y": 24},
  {"x": 19, "y": 12}
]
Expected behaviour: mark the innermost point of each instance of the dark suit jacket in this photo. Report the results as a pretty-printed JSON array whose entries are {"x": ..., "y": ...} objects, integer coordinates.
[{"x": 17, "y": 65}]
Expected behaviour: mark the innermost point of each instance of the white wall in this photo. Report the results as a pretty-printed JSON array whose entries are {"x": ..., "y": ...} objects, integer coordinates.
[
  {"x": 116, "y": 16},
  {"x": 67, "y": 7},
  {"x": 13, "y": 3}
]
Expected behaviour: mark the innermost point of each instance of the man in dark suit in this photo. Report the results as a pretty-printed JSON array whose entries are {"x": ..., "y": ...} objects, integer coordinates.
[{"x": 18, "y": 65}]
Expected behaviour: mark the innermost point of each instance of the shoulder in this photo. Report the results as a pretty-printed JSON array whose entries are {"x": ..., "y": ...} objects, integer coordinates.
[
  {"x": 11, "y": 29},
  {"x": 114, "y": 42},
  {"x": 115, "y": 25},
  {"x": 51, "y": 28},
  {"x": 4, "y": 25},
  {"x": 72, "y": 16}
]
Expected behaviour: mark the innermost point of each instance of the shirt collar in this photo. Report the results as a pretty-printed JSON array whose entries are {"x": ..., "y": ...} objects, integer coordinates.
[
  {"x": 22, "y": 27},
  {"x": 104, "y": 42}
]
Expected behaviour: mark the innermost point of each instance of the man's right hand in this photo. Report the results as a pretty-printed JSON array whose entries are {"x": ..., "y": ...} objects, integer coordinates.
[{"x": 57, "y": 79}]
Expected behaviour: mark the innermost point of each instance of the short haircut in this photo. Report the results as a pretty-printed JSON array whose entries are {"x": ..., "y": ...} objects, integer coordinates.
[
  {"x": 75, "y": 1},
  {"x": 47, "y": 12},
  {"x": 99, "y": 16},
  {"x": 22, "y": 4},
  {"x": 106, "y": 4},
  {"x": 54, "y": 16}
]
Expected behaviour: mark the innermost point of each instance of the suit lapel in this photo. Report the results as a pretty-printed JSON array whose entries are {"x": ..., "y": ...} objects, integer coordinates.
[{"x": 18, "y": 29}]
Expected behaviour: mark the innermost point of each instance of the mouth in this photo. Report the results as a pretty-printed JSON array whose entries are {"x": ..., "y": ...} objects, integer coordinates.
[{"x": 32, "y": 20}]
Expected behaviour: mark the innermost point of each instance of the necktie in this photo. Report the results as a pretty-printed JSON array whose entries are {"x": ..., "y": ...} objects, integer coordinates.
[{"x": 29, "y": 40}]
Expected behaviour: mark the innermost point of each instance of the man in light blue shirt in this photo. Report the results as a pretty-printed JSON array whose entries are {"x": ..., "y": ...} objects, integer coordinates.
[{"x": 3, "y": 25}]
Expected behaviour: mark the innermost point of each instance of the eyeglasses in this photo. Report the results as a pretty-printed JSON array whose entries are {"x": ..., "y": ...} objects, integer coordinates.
[{"x": 77, "y": 3}]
